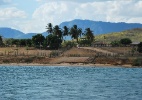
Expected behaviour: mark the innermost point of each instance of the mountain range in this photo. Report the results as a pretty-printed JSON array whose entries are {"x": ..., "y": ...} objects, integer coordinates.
[{"x": 98, "y": 27}]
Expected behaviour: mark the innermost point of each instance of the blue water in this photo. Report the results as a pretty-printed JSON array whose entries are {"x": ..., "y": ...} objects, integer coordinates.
[{"x": 70, "y": 83}]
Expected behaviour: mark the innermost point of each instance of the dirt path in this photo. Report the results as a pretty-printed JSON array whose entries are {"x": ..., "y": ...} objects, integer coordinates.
[
  {"x": 68, "y": 60},
  {"x": 98, "y": 50}
]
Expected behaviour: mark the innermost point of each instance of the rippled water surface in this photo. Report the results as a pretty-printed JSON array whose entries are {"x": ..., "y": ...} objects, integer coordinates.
[{"x": 70, "y": 83}]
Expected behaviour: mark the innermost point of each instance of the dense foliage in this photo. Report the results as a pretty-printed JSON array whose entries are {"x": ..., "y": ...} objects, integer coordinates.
[
  {"x": 125, "y": 41},
  {"x": 115, "y": 43},
  {"x": 1, "y": 41},
  {"x": 38, "y": 40},
  {"x": 140, "y": 47},
  {"x": 18, "y": 42},
  {"x": 56, "y": 34},
  {"x": 53, "y": 41}
]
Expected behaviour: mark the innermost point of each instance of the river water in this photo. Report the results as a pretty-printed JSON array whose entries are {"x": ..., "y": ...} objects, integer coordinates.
[{"x": 70, "y": 83}]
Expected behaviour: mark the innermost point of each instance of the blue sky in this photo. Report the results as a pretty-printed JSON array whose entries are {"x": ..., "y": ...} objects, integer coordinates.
[{"x": 33, "y": 15}]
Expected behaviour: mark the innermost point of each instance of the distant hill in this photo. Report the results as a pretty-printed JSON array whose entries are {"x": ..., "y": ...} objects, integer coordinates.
[
  {"x": 26, "y": 36},
  {"x": 100, "y": 27},
  {"x": 134, "y": 34},
  {"x": 13, "y": 33},
  {"x": 9, "y": 33}
]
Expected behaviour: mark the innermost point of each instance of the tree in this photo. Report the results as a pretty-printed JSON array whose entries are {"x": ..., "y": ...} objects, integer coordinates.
[
  {"x": 125, "y": 41},
  {"x": 49, "y": 28},
  {"x": 139, "y": 47},
  {"x": 53, "y": 41},
  {"x": 29, "y": 42},
  {"x": 75, "y": 32},
  {"x": 57, "y": 31},
  {"x": 89, "y": 34},
  {"x": 38, "y": 40},
  {"x": 65, "y": 31},
  {"x": 1, "y": 41},
  {"x": 8, "y": 42}
]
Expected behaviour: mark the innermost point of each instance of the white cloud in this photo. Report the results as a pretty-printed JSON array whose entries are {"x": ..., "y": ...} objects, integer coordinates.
[
  {"x": 11, "y": 13},
  {"x": 56, "y": 11},
  {"x": 80, "y": 1}
]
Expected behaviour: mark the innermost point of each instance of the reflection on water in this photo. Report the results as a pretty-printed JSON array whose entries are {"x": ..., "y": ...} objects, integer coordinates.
[{"x": 70, "y": 83}]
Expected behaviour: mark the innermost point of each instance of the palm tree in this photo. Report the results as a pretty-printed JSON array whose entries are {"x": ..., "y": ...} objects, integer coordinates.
[
  {"x": 80, "y": 32},
  {"x": 75, "y": 32},
  {"x": 89, "y": 34},
  {"x": 65, "y": 31},
  {"x": 57, "y": 31},
  {"x": 1, "y": 41},
  {"x": 49, "y": 28}
]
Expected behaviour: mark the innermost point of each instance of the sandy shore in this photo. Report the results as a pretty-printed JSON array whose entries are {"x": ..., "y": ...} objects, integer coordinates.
[{"x": 65, "y": 64}]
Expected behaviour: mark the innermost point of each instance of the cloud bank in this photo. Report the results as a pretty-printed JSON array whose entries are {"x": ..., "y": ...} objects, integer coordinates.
[{"x": 55, "y": 11}]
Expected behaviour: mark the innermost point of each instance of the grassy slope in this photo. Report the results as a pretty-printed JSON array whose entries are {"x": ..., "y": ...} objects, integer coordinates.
[{"x": 135, "y": 35}]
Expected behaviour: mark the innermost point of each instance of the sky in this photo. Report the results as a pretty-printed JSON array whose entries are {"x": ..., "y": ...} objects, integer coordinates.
[{"x": 32, "y": 16}]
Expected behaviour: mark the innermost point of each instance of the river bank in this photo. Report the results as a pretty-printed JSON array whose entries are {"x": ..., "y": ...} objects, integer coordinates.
[
  {"x": 67, "y": 65},
  {"x": 67, "y": 61}
]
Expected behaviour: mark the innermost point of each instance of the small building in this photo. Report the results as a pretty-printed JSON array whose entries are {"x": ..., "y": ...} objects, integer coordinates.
[{"x": 134, "y": 44}]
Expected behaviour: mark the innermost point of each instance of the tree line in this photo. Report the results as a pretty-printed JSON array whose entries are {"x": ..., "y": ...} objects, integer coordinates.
[
  {"x": 54, "y": 39},
  {"x": 56, "y": 36}
]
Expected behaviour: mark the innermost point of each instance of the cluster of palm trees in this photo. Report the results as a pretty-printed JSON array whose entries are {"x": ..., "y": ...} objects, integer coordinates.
[{"x": 74, "y": 32}]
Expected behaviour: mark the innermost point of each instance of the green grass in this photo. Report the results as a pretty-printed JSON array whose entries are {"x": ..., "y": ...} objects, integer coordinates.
[{"x": 135, "y": 35}]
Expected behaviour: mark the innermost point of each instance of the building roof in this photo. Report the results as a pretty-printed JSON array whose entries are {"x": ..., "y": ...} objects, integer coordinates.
[{"x": 135, "y": 43}]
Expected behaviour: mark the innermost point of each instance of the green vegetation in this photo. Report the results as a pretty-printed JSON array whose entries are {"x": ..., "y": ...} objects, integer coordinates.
[
  {"x": 137, "y": 62},
  {"x": 18, "y": 42},
  {"x": 54, "y": 38},
  {"x": 38, "y": 40},
  {"x": 56, "y": 35},
  {"x": 53, "y": 41},
  {"x": 115, "y": 43},
  {"x": 1, "y": 41},
  {"x": 75, "y": 32},
  {"x": 85, "y": 42},
  {"x": 133, "y": 35},
  {"x": 89, "y": 34},
  {"x": 140, "y": 47},
  {"x": 125, "y": 41},
  {"x": 122, "y": 42}
]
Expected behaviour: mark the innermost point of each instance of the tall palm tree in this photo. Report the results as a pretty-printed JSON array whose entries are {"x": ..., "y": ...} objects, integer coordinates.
[
  {"x": 80, "y": 32},
  {"x": 75, "y": 32},
  {"x": 89, "y": 34},
  {"x": 57, "y": 31},
  {"x": 1, "y": 41},
  {"x": 49, "y": 28},
  {"x": 65, "y": 31}
]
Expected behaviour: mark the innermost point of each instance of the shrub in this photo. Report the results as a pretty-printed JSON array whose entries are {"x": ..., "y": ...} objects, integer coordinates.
[
  {"x": 125, "y": 41},
  {"x": 85, "y": 42},
  {"x": 140, "y": 47},
  {"x": 137, "y": 62},
  {"x": 69, "y": 44},
  {"x": 115, "y": 43}
]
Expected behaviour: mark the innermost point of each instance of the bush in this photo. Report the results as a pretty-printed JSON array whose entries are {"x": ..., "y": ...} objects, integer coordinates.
[
  {"x": 85, "y": 42},
  {"x": 139, "y": 47},
  {"x": 68, "y": 44},
  {"x": 137, "y": 62},
  {"x": 54, "y": 54},
  {"x": 125, "y": 41},
  {"x": 115, "y": 43}
]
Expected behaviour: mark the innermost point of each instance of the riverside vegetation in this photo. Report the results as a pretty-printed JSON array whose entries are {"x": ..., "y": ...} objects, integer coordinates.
[{"x": 82, "y": 49}]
